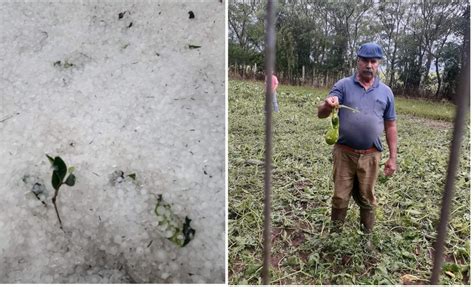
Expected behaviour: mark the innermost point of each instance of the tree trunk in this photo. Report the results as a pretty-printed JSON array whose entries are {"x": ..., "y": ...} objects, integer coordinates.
[
  {"x": 437, "y": 77},
  {"x": 392, "y": 65},
  {"x": 429, "y": 59}
]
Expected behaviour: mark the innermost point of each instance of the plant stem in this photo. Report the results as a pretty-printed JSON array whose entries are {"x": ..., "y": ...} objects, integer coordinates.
[
  {"x": 56, "y": 208},
  {"x": 44, "y": 203},
  {"x": 344, "y": 106}
]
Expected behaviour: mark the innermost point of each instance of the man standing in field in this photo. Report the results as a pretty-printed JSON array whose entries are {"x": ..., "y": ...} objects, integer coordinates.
[{"x": 358, "y": 150}]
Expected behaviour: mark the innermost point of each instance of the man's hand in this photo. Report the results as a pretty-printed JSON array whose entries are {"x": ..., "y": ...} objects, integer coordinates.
[
  {"x": 391, "y": 134},
  {"x": 326, "y": 107},
  {"x": 390, "y": 167},
  {"x": 332, "y": 102}
]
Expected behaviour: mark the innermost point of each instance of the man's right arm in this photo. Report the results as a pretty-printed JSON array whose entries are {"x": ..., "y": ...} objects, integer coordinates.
[{"x": 325, "y": 109}]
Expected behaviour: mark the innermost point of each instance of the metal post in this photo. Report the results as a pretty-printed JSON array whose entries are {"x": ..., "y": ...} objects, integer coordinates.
[
  {"x": 461, "y": 105},
  {"x": 269, "y": 66}
]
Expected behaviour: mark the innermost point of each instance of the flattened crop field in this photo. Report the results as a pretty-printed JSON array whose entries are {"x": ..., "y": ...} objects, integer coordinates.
[{"x": 304, "y": 252}]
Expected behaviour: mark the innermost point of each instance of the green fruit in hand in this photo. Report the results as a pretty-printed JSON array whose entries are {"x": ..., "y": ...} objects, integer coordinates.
[
  {"x": 331, "y": 136},
  {"x": 335, "y": 121}
]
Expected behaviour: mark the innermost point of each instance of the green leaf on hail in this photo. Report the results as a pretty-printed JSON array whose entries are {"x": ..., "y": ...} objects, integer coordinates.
[
  {"x": 188, "y": 232},
  {"x": 132, "y": 176},
  {"x": 59, "y": 168},
  {"x": 71, "y": 180},
  {"x": 56, "y": 181},
  {"x": 51, "y": 160}
]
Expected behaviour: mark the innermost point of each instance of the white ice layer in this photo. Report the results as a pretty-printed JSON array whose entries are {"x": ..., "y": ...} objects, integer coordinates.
[{"x": 109, "y": 94}]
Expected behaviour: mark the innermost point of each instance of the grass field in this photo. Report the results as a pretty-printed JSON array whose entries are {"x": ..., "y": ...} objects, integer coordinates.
[{"x": 304, "y": 252}]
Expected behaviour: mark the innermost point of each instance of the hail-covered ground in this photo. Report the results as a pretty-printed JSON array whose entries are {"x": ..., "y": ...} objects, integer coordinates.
[{"x": 130, "y": 93}]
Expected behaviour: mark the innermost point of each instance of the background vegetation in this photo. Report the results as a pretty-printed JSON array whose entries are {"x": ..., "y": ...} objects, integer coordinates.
[
  {"x": 304, "y": 252},
  {"x": 317, "y": 41}
]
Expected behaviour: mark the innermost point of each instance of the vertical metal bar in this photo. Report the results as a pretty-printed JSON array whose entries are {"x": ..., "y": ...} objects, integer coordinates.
[
  {"x": 461, "y": 102},
  {"x": 269, "y": 66}
]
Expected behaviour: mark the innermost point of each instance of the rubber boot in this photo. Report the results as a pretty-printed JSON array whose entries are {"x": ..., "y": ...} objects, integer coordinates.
[
  {"x": 338, "y": 215},
  {"x": 367, "y": 220}
]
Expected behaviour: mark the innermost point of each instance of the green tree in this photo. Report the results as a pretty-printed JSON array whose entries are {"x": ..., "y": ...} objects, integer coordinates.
[{"x": 420, "y": 39}]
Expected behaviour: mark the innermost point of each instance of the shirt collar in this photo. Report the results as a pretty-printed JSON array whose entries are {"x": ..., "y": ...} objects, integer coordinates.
[{"x": 375, "y": 85}]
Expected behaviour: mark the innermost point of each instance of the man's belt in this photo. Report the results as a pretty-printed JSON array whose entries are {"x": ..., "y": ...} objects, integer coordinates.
[{"x": 358, "y": 151}]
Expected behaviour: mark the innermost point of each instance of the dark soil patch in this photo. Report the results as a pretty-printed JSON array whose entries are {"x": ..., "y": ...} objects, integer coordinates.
[
  {"x": 303, "y": 204},
  {"x": 304, "y": 225},
  {"x": 237, "y": 267},
  {"x": 371, "y": 262},
  {"x": 302, "y": 184},
  {"x": 346, "y": 260},
  {"x": 450, "y": 258},
  {"x": 304, "y": 255},
  {"x": 276, "y": 232},
  {"x": 233, "y": 215},
  {"x": 465, "y": 277},
  {"x": 275, "y": 260},
  {"x": 297, "y": 238}
]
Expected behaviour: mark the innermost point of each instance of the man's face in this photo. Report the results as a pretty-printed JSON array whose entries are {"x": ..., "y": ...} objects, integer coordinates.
[{"x": 367, "y": 68}]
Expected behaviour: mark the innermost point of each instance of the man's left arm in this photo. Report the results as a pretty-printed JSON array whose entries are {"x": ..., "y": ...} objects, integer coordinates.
[{"x": 391, "y": 135}]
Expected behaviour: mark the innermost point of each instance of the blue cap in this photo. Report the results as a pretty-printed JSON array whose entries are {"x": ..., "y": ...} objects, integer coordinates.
[{"x": 370, "y": 50}]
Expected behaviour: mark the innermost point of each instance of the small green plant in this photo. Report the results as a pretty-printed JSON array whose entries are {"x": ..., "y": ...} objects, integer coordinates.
[
  {"x": 119, "y": 176},
  {"x": 170, "y": 224},
  {"x": 60, "y": 171}
]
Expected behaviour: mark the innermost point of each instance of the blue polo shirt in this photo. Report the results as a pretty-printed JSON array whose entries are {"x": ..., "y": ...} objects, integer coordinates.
[{"x": 362, "y": 130}]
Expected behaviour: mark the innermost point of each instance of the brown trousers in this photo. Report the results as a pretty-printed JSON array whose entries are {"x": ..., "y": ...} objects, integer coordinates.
[{"x": 354, "y": 174}]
